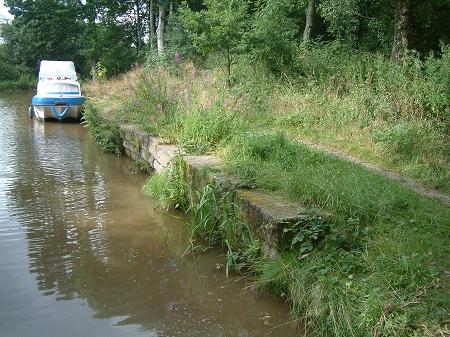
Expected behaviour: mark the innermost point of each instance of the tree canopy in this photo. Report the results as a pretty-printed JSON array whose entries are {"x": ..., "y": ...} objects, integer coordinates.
[{"x": 116, "y": 34}]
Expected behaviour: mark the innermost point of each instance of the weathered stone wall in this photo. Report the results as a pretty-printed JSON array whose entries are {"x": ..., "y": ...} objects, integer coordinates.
[
  {"x": 265, "y": 212},
  {"x": 139, "y": 145}
]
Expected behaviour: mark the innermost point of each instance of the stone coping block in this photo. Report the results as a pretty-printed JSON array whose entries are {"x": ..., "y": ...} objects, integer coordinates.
[
  {"x": 139, "y": 145},
  {"x": 265, "y": 207},
  {"x": 267, "y": 213}
]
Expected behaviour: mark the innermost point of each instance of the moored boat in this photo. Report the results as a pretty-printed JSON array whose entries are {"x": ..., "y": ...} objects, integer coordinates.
[{"x": 58, "y": 92}]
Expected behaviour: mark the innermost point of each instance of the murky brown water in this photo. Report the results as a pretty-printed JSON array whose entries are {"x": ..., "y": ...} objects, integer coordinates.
[{"x": 83, "y": 253}]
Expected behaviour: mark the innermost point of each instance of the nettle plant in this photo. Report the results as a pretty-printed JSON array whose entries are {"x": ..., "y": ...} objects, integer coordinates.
[{"x": 303, "y": 235}]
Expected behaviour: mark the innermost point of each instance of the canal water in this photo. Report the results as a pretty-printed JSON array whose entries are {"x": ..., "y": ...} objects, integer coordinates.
[{"x": 83, "y": 253}]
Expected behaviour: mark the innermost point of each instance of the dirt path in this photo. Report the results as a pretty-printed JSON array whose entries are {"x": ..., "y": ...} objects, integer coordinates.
[{"x": 406, "y": 181}]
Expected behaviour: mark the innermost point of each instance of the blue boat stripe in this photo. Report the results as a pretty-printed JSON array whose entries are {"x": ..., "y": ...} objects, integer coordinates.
[{"x": 57, "y": 100}]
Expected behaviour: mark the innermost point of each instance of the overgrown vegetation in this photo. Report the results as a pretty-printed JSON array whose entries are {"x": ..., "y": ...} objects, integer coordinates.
[
  {"x": 214, "y": 223},
  {"x": 105, "y": 131},
  {"x": 377, "y": 266},
  {"x": 168, "y": 187},
  {"x": 13, "y": 76},
  {"x": 237, "y": 80},
  {"x": 386, "y": 246},
  {"x": 393, "y": 115}
]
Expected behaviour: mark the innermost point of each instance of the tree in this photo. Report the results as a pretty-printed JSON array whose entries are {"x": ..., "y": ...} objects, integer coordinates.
[
  {"x": 273, "y": 36},
  {"x": 151, "y": 22},
  {"x": 37, "y": 34},
  {"x": 400, "y": 44},
  {"x": 137, "y": 13},
  {"x": 342, "y": 18},
  {"x": 218, "y": 28},
  {"x": 161, "y": 25},
  {"x": 309, "y": 21},
  {"x": 107, "y": 40}
]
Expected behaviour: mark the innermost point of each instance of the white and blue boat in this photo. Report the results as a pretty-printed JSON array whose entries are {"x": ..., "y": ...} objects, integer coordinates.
[{"x": 58, "y": 92}]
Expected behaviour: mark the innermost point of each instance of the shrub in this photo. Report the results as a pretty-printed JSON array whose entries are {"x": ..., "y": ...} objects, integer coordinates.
[
  {"x": 168, "y": 187},
  {"x": 380, "y": 239},
  {"x": 158, "y": 186},
  {"x": 203, "y": 130},
  {"x": 105, "y": 132}
]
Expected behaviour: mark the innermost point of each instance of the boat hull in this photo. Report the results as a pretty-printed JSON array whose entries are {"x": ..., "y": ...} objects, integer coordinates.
[
  {"x": 46, "y": 112},
  {"x": 46, "y": 108}
]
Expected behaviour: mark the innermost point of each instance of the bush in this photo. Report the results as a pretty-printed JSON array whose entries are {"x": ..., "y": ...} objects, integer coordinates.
[
  {"x": 380, "y": 239},
  {"x": 168, "y": 187},
  {"x": 272, "y": 38},
  {"x": 105, "y": 132},
  {"x": 25, "y": 81},
  {"x": 413, "y": 89},
  {"x": 158, "y": 186},
  {"x": 203, "y": 130},
  {"x": 8, "y": 72}
]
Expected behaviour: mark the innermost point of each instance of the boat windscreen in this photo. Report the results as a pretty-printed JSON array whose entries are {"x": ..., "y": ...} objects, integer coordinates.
[{"x": 57, "y": 69}]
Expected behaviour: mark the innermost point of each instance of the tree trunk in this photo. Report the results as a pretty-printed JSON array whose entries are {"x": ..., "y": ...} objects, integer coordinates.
[
  {"x": 138, "y": 24},
  {"x": 160, "y": 29},
  {"x": 94, "y": 69},
  {"x": 309, "y": 21},
  {"x": 151, "y": 24},
  {"x": 400, "y": 44}
]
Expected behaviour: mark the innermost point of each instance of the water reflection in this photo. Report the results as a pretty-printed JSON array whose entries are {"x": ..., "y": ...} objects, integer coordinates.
[{"x": 91, "y": 238}]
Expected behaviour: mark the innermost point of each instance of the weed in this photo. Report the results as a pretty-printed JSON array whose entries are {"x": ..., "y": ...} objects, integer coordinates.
[
  {"x": 168, "y": 187},
  {"x": 364, "y": 271},
  {"x": 203, "y": 225},
  {"x": 158, "y": 186},
  {"x": 384, "y": 243},
  {"x": 105, "y": 132},
  {"x": 205, "y": 129},
  {"x": 302, "y": 235},
  {"x": 214, "y": 222},
  {"x": 141, "y": 166},
  {"x": 25, "y": 81}
]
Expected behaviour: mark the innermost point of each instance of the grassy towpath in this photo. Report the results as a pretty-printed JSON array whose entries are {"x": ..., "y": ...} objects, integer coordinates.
[{"x": 414, "y": 184}]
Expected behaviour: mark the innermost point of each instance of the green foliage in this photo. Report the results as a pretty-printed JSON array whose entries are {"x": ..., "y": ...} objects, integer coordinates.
[
  {"x": 203, "y": 130},
  {"x": 151, "y": 104},
  {"x": 397, "y": 114},
  {"x": 13, "y": 76},
  {"x": 272, "y": 161},
  {"x": 218, "y": 28},
  {"x": 8, "y": 71},
  {"x": 342, "y": 17},
  {"x": 273, "y": 36},
  {"x": 214, "y": 222},
  {"x": 383, "y": 237},
  {"x": 204, "y": 221},
  {"x": 25, "y": 81},
  {"x": 178, "y": 40},
  {"x": 158, "y": 186},
  {"x": 168, "y": 187},
  {"x": 302, "y": 235},
  {"x": 91, "y": 33},
  {"x": 141, "y": 166},
  {"x": 415, "y": 88},
  {"x": 34, "y": 34},
  {"x": 114, "y": 53},
  {"x": 105, "y": 132}
]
